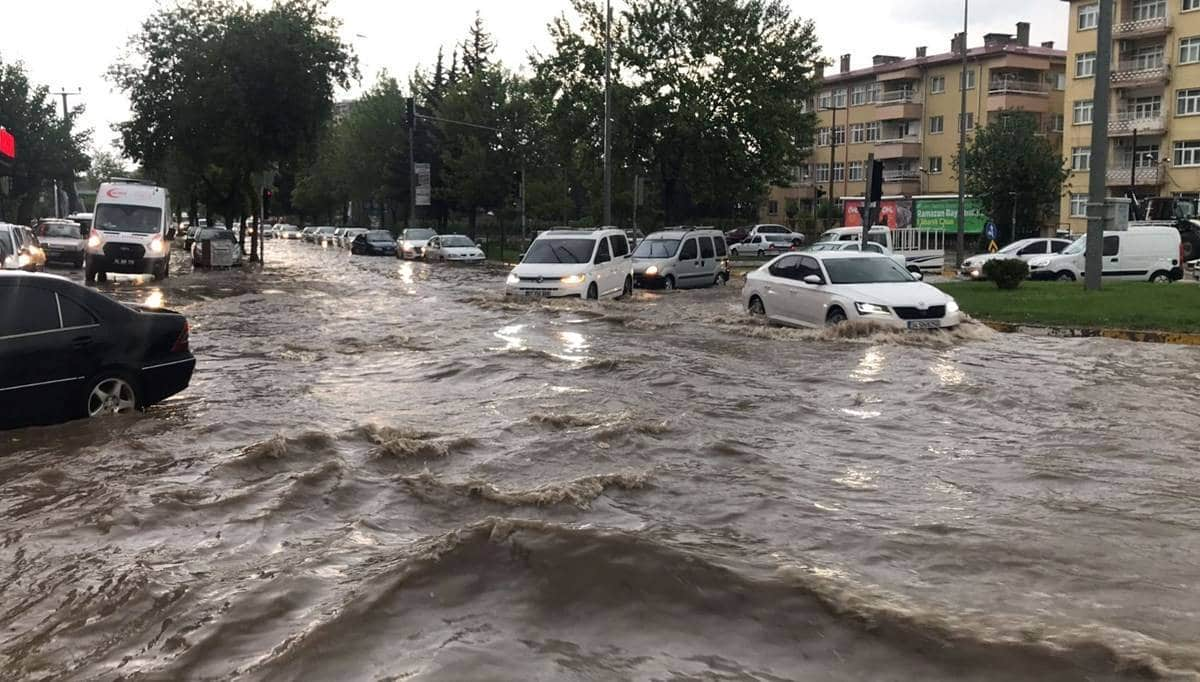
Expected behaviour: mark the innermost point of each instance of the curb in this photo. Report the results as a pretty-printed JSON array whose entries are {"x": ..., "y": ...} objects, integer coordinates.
[{"x": 1176, "y": 338}]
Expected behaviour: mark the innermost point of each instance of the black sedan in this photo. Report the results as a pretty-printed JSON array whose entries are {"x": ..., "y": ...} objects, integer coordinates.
[
  {"x": 374, "y": 243},
  {"x": 68, "y": 352}
]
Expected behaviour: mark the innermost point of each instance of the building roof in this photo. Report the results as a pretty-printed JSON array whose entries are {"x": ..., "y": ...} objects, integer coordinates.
[{"x": 973, "y": 54}]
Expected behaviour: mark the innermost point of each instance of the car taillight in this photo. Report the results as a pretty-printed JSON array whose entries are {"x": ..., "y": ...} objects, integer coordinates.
[{"x": 181, "y": 343}]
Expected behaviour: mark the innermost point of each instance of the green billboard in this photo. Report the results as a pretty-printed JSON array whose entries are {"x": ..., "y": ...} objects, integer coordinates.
[{"x": 941, "y": 215}]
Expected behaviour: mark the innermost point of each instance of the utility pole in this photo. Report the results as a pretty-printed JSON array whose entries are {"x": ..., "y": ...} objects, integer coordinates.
[
  {"x": 71, "y": 196},
  {"x": 1012, "y": 233},
  {"x": 523, "y": 223},
  {"x": 1097, "y": 189},
  {"x": 412, "y": 162},
  {"x": 1133, "y": 159},
  {"x": 960, "y": 245},
  {"x": 832, "y": 155},
  {"x": 607, "y": 113}
]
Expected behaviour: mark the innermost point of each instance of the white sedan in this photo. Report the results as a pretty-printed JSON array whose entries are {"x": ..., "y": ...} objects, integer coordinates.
[
  {"x": 453, "y": 247},
  {"x": 1024, "y": 249},
  {"x": 832, "y": 287},
  {"x": 871, "y": 247}
]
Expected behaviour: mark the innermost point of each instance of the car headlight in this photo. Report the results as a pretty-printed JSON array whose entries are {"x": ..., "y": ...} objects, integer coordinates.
[
  {"x": 95, "y": 239},
  {"x": 513, "y": 279},
  {"x": 652, "y": 270},
  {"x": 574, "y": 279},
  {"x": 24, "y": 260},
  {"x": 872, "y": 309},
  {"x": 156, "y": 245},
  {"x": 952, "y": 307}
]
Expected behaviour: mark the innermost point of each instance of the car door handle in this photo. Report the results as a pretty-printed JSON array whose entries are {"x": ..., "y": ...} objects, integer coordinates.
[
  {"x": 81, "y": 342},
  {"x": 1114, "y": 260}
]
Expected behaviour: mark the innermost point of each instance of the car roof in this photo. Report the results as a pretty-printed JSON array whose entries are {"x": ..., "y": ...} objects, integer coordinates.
[
  {"x": 679, "y": 233},
  {"x": 842, "y": 255}
]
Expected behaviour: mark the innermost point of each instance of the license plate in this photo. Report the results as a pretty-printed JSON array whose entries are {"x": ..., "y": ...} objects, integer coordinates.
[
  {"x": 924, "y": 324},
  {"x": 537, "y": 293},
  {"x": 124, "y": 261}
]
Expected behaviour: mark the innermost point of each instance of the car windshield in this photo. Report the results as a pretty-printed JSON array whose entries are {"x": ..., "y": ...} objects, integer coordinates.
[
  {"x": 865, "y": 271},
  {"x": 128, "y": 218},
  {"x": 5, "y": 243},
  {"x": 657, "y": 248},
  {"x": 1076, "y": 247},
  {"x": 418, "y": 235},
  {"x": 59, "y": 230},
  {"x": 216, "y": 235},
  {"x": 457, "y": 242},
  {"x": 560, "y": 251},
  {"x": 379, "y": 236}
]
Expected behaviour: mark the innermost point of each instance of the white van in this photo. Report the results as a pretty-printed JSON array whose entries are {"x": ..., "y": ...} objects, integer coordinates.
[
  {"x": 1143, "y": 254},
  {"x": 130, "y": 231},
  {"x": 590, "y": 264},
  {"x": 680, "y": 257}
]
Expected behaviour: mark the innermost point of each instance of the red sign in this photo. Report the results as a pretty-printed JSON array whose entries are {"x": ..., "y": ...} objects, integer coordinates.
[
  {"x": 8, "y": 144},
  {"x": 895, "y": 213}
]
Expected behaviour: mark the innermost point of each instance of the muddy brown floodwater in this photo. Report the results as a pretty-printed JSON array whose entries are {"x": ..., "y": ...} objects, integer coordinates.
[{"x": 385, "y": 470}]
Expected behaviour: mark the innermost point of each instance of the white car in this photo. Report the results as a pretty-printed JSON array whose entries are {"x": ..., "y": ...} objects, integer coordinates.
[
  {"x": 832, "y": 287},
  {"x": 453, "y": 247},
  {"x": 411, "y": 243},
  {"x": 870, "y": 247},
  {"x": 590, "y": 264},
  {"x": 1140, "y": 254},
  {"x": 1024, "y": 249},
  {"x": 761, "y": 245}
]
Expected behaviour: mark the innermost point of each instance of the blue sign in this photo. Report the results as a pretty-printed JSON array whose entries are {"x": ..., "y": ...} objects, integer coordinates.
[{"x": 989, "y": 231}]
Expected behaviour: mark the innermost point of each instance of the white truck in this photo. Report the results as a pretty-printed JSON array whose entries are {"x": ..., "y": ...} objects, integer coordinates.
[
  {"x": 922, "y": 249},
  {"x": 131, "y": 231}
]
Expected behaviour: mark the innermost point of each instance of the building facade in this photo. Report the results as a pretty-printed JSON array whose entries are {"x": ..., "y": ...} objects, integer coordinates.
[
  {"x": 1154, "y": 108},
  {"x": 906, "y": 112}
]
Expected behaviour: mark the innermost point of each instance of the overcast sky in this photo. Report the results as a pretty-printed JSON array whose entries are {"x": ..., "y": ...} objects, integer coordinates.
[{"x": 70, "y": 43}]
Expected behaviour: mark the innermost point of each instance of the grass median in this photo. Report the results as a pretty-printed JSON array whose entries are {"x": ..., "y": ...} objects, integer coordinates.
[{"x": 1120, "y": 305}]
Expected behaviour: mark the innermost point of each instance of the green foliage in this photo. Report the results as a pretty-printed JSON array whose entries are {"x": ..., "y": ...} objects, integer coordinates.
[
  {"x": 105, "y": 165},
  {"x": 1011, "y": 166},
  {"x": 1007, "y": 273},
  {"x": 47, "y": 149}
]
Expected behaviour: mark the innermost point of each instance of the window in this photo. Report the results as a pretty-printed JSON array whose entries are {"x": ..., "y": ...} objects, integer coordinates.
[
  {"x": 1081, "y": 158},
  {"x": 858, "y": 133},
  {"x": 1089, "y": 17},
  {"x": 839, "y": 172},
  {"x": 839, "y": 135},
  {"x": 937, "y": 85},
  {"x": 935, "y": 165},
  {"x": 1081, "y": 112},
  {"x": 1112, "y": 245},
  {"x": 689, "y": 250},
  {"x": 1149, "y": 9},
  {"x": 874, "y": 130},
  {"x": 773, "y": 207},
  {"x": 1079, "y": 205},
  {"x": 856, "y": 171},
  {"x": 1144, "y": 156},
  {"x": 1187, "y": 153},
  {"x": 966, "y": 121},
  {"x": 1145, "y": 58},
  {"x": 1057, "y": 245},
  {"x": 839, "y": 98},
  {"x": 937, "y": 124},
  {"x": 805, "y": 172},
  {"x": 720, "y": 244},
  {"x": 858, "y": 96},
  {"x": 822, "y": 137},
  {"x": 1147, "y": 107},
  {"x": 620, "y": 246},
  {"x": 1056, "y": 123},
  {"x": 1060, "y": 80},
  {"x": 1190, "y": 5},
  {"x": 787, "y": 268},
  {"x": 73, "y": 314},
  {"x": 824, "y": 100},
  {"x": 1189, "y": 50},
  {"x": 1085, "y": 64},
  {"x": 809, "y": 266},
  {"x": 822, "y": 172},
  {"x": 1187, "y": 102},
  {"x": 874, "y": 90},
  {"x": 970, "y": 83},
  {"x": 27, "y": 310},
  {"x": 1033, "y": 249},
  {"x": 602, "y": 253},
  {"x": 706, "y": 248}
]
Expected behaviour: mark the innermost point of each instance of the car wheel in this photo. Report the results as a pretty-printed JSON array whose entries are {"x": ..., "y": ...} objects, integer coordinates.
[
  {"x": 111, "y": 393},
  {"x": 756, "y": 307},
  {"x": 1066, "y": 276},
  {"x": 627, "y": 290},
  {"x": 593, "y": 292},
  {"x": 835, "y": 317},
  {"x": 1161, "y": 277},
  {"x": 669, "y": 282},
  {"x": 1190, "y": 243},
  {"x": 718, "y": 280}
]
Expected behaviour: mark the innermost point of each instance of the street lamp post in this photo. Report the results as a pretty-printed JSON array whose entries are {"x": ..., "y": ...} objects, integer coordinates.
[{"x": 607, "y": 113}]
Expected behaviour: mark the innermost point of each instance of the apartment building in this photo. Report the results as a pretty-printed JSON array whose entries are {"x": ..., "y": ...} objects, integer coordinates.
[
  {"x": 1154, "y": 108},
  {"x": 906, "y": 112}
]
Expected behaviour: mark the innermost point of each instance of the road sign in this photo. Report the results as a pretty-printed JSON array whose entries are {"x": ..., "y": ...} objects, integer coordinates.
[
  {"x": 990, "y": 233},
  {"x": 993, "y": 247},
  {"x": 424, "y": 184}
]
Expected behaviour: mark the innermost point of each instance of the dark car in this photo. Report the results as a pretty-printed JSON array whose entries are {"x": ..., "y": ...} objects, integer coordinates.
[
  {"x": 374, "y": 243},
  {"x": 68, "y": 352},
  {"x": 216, "y": 248}
]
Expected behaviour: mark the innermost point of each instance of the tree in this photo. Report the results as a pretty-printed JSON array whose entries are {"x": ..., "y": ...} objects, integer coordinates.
[
  {"x": 1011, "y": 166},
  {"x": 105, "y": 165},
  {"x": 47, "y": 149}
]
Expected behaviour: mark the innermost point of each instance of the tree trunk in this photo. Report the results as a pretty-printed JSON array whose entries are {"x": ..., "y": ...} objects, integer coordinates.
[{"x": 471, "y": 221}]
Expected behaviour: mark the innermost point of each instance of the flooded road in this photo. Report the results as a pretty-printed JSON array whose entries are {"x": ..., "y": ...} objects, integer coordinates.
[{"x": 384, "y": 470}]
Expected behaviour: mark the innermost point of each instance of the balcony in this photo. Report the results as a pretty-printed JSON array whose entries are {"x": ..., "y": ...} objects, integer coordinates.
[
  {"x": 901, "y": 182},
  {"x": 1135, "y": 74},
  {"x": 898, "y": 104},
  {"x": 901, "y": 175},
  {"x": 1142, "y": 28},
  {"x": 1124, "y": 123},
  {"x": 899, "y": 148},
  {"x": 1146, "y": 176},
  {"x": 1010, "y": 93},
  {"x": 911, "y": 73}
]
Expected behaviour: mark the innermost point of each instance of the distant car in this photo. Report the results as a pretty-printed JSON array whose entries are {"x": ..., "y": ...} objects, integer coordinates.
[
  {"x": 288, "y": 232},
  {"x": 351, "y": 233},
  {"x": 19, "y": 249},
  {"x": 761, "y": 245},
  {"x": 816, "y": 289},
  {"x": 453, "y": 247},
  {"x": 1024, "y": 249},
  {"x": 84, "y": 220},
  {"x": 67, "y": 351},
  {"x": 374, "y": 243},
  {"x": 64, "y": 241},
  {"x": 590, "y": 264},
  {"x": 870, "y": 247},
  {"x": 412, "y": 242},
  {"x": 216, "y": 247},
  {"x": 337, "y": 235},
  {"x": 309, "y": 234},
  {"x": 324, "y": 236}
]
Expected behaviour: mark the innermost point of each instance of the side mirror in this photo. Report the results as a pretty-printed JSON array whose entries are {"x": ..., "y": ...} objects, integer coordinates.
[
  {"x": 813, "y": 279},
  {"x": 602, "y": 259},
  {"x": 918, "y": 276}
]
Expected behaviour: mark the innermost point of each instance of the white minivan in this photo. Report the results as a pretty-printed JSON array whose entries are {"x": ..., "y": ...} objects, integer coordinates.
[
  {"x": 1143, "y": 254},
  {"x": 590, "y": 264},
  {"x": 131, "y": 231},
  {"x": 681, "y": 257}
]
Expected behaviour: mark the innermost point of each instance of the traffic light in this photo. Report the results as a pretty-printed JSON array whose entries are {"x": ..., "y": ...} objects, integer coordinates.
[{"x": 266, "y": 202}]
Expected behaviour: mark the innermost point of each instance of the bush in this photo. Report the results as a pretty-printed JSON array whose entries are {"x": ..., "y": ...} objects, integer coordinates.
[{"x": 1007, "y": 273}]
